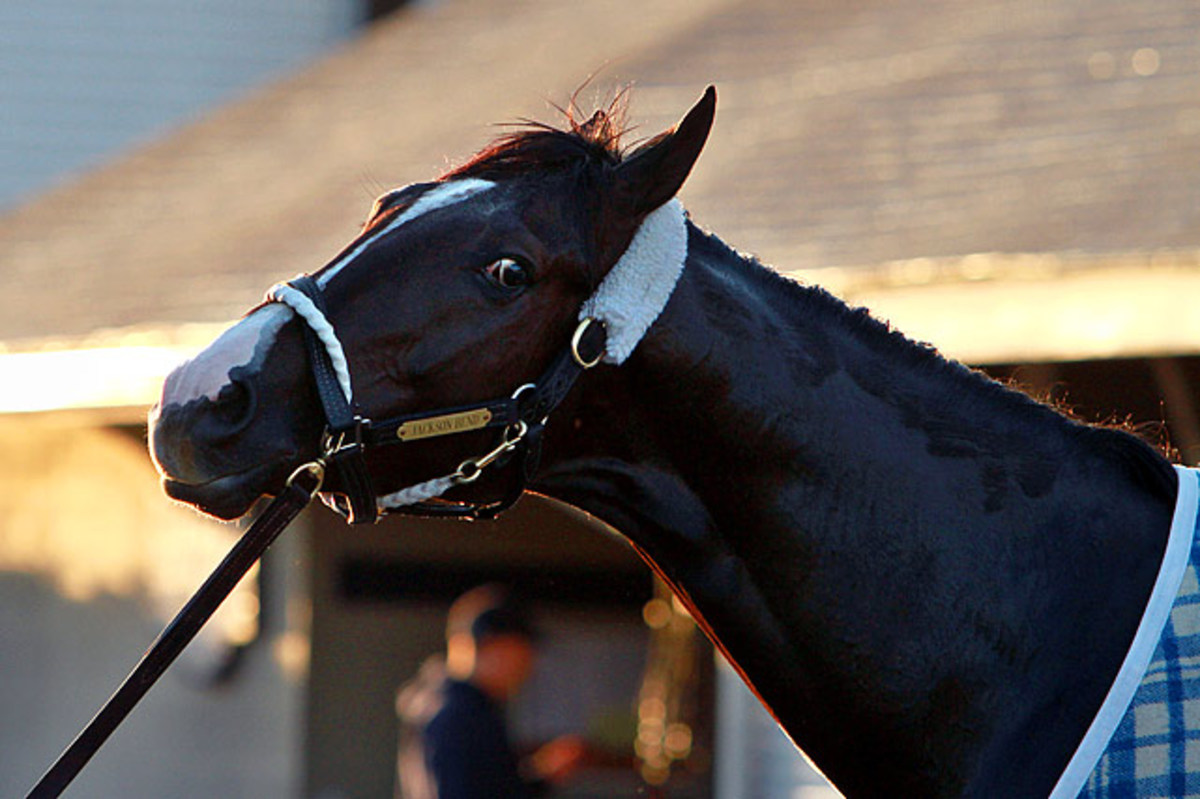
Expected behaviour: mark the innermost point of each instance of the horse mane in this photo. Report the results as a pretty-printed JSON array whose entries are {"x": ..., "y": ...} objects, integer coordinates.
[{"x": 1122, "y": 443}]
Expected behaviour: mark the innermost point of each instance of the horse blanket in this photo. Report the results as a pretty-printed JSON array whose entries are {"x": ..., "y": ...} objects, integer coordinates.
[{"x": 1145, "y": 741}]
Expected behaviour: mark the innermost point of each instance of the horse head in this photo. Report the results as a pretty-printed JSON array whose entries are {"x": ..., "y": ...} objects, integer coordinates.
[{"x": 455, "y": 291}]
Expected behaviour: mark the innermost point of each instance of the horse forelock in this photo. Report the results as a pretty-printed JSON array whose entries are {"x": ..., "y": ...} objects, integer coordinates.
[
  {"x": 583, "y": 156},
  {"x": 539, "y": 147}
]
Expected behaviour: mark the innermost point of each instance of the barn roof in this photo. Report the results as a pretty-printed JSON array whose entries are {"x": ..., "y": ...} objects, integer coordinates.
[{"x": 848, "y": 133}]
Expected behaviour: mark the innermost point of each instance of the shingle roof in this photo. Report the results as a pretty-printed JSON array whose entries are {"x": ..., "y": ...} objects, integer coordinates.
[{"x": 848, "y": 132}]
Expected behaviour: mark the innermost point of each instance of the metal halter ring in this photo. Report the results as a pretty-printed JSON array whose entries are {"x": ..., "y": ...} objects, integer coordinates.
[
  {"x": 314, "y": 469},
  {"x": 575, "y": 341}
]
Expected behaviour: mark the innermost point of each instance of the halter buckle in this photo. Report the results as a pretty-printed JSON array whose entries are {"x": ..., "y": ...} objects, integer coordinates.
[
  {"x": 333, "y": 443},
  {"x": 345, "y": 457}
]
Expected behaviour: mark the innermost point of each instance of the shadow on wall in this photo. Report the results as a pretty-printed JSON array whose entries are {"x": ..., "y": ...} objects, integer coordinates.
[{"x": 82, "y": 509}]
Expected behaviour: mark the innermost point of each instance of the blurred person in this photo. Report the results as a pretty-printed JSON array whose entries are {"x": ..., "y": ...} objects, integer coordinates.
[{"x": 454, "y": 741}]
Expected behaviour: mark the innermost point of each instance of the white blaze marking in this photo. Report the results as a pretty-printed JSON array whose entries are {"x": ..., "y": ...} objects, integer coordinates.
[
  {"x": 446, "y": 194},
  {"x": 247, "y": 342},
  {"x": 243, "y": 344}
]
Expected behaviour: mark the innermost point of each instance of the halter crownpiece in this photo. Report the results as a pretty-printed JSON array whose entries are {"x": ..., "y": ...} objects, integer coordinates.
[{"x": 612, "y": 323}]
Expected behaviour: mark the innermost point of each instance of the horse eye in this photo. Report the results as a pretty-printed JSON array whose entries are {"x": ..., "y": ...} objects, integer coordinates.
[{"x": 509, "y": 273}]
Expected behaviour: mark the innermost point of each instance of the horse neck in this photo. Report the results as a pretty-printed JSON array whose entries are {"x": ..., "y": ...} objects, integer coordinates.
[
  {"x": 816, "y": 404},
  {"x": 839, "y": 505}
]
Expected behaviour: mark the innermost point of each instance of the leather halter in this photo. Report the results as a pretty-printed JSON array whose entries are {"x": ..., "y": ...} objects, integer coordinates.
[{"x": 518, "y": 420}]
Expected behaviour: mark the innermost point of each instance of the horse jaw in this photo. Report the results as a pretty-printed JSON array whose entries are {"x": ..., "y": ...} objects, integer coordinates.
[{"x": 231, "y": 496}]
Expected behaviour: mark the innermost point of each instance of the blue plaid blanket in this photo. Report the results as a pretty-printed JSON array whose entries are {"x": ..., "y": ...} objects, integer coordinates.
[{"x": 1154, "y": 748}]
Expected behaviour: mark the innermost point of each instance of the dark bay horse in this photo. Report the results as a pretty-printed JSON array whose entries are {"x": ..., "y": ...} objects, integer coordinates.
[{"x": 930, "y": 580}]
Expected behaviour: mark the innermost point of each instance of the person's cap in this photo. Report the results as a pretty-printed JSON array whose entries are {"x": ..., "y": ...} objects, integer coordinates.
[
  {"x": 489, "y": 609},
  {"x": 507, "y": 618}
]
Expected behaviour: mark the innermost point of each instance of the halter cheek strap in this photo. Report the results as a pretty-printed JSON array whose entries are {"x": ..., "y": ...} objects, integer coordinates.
[
  {"x": 343, "y": 446},
  {"x": 612, "y": 322}
]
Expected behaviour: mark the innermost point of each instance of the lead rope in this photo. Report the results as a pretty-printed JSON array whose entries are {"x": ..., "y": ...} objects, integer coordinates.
[
  {"x": 421, "y": 492},
  {"x": 299, "y": 491}
]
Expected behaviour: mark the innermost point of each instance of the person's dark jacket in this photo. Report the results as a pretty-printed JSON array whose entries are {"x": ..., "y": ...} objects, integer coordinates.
[{"x": 455, "y": 745}]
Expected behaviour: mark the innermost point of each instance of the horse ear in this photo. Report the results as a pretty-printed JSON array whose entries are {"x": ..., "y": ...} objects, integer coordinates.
[{"x": 654, "y": 173}]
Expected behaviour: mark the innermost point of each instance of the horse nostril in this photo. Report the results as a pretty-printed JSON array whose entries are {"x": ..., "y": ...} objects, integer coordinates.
[{"x": 235, "y": 405}]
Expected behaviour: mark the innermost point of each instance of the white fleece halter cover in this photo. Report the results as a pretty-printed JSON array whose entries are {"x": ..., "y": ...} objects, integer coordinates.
[{"x": 637, "y": 288}]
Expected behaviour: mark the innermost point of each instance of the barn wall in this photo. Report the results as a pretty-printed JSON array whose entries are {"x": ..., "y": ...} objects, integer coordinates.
[
  {"x": 93, "y": 561},
  {"x": 84, "y": 79}
]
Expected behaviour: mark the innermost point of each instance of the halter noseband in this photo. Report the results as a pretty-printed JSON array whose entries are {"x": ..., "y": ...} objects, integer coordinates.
[{"x": 612, "y": 322}]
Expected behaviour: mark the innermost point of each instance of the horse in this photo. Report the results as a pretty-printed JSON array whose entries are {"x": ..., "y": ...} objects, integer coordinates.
[{"x": 928, "y": 578}]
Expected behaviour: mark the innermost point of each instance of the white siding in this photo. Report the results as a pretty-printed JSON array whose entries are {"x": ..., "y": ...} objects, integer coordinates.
[
  {"x": 81, "y": 80},
  {"x": 755, "y": 760}
]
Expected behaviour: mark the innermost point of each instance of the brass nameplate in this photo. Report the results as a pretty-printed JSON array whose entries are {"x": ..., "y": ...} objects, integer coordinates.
[{"x": 444, "y": 425}]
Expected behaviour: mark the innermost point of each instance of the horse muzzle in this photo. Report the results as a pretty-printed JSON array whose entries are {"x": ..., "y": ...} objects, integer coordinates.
[{"x": 220, "y": 454}]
